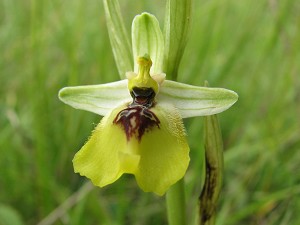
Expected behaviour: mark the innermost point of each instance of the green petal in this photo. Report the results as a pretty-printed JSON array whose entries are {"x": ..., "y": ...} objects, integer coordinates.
[
  {"x": 99, "y": 99},
  {"x": 107, "y": 154},
  {"x": 147, "y": 38},
  {"x": 164, "y": 152},
  {"x": 196, "y": 101}
]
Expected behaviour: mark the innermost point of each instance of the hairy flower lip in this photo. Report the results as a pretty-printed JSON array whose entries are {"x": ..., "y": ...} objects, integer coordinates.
[
  {"x": 157, "y": 160},
  {"x": 136, "y": 120}
]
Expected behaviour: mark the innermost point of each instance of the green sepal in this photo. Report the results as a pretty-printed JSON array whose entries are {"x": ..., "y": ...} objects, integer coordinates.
[
  {"x": 194, "y": 101},
  {"x": 189, "y": 100},
  {"x": 147, "y": 38},
  {"x": 119, "y": 38},
  {"x": 99, "y": 99}
]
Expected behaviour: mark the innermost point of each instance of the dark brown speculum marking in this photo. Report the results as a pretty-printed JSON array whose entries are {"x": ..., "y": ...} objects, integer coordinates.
[
  {"x": 143, "y": 96},
  {"x": 138, "y": 118}
]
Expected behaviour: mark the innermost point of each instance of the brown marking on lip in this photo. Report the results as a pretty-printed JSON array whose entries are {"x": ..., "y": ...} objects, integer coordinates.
[{"x": 136, "y": 120}]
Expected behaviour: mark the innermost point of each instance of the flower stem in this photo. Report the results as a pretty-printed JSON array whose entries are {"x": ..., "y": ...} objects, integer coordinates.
[{"x": 175, "y": 200}]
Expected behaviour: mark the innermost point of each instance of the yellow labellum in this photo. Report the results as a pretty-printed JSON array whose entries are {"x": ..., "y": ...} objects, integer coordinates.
[{"x": 158, "y": 157}]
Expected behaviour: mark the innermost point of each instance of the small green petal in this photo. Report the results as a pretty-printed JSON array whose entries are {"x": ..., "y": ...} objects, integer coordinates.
[
  {"x": 164, "y": 152},
  {"x": 196, "y": 101},
  {"x": 99, "y": 99},
  {"x": 107, "y": 154},
  {"x": 147, "y": 38}
]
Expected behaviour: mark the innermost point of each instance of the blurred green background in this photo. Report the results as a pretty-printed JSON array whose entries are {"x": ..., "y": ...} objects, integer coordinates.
[{"x": 252, "y": 47}]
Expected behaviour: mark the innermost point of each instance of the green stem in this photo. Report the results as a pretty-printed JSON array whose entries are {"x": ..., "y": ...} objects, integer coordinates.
[{"x": 175, "y": 200}]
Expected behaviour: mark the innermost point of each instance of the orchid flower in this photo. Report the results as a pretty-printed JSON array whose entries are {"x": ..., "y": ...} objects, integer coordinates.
[{"x": 142, "y": 131}]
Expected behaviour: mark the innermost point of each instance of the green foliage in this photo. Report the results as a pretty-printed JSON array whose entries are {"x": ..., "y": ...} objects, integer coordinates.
[
  {"x": 9, "y": 216},
  {"x": 251, "y": 47}
]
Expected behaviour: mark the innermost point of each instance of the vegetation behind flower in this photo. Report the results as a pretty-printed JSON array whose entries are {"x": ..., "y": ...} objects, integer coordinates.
[{"x": 250, "y": 47}]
